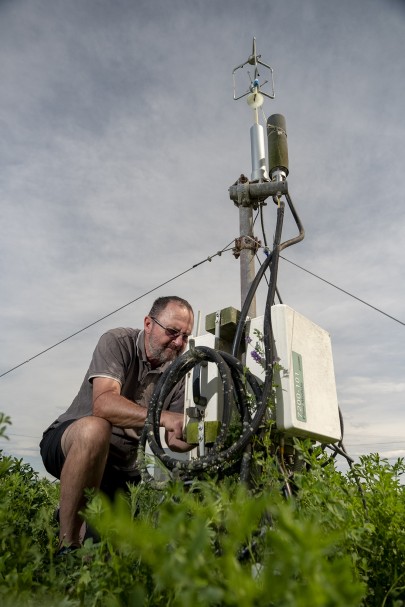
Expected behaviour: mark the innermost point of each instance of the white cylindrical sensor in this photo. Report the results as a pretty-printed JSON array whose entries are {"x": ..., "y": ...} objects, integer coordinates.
[{"x": 259, "y": 169}]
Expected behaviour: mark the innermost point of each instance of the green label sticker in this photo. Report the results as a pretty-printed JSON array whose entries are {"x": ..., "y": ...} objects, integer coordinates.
[{"x": 299, "y": 387}]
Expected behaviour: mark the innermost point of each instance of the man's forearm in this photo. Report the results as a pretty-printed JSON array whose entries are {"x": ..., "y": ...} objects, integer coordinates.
[
  {"x": 119, "y": 411},
  {"x": 124, "y": 413}
]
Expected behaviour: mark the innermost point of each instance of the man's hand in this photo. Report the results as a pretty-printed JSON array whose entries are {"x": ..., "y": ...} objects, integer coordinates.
[{"x": 173, "y": 424}]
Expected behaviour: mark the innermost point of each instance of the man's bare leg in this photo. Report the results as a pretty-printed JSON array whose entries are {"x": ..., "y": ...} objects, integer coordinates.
[{"x": 85, "y": 444}]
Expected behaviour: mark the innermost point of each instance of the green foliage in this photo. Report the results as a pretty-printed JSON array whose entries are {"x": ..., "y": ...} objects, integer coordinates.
[
  {"x": 4, "y": 422},
  {"x": 4, "y": 462},
  {"x": 26, "y": 534},
  {"x": 219, "y": 545},
  {"x": 384, "y": 497},
  {"x": 369, "y": 505},
  {"x": 214, "y": 543}
]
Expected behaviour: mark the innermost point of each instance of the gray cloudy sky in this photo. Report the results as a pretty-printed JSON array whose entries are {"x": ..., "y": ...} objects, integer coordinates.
[{"x": 119, "y": 139}]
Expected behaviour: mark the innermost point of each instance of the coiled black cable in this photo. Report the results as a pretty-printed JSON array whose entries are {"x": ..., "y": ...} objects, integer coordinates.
[{"x": 234, "y": 378}]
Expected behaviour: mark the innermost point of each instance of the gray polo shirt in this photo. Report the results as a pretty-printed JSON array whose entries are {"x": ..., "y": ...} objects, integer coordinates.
[{"x": 120, "y": 355}]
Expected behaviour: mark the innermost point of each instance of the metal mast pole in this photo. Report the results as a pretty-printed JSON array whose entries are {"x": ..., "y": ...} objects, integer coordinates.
[{"x": 247, "y": 257}]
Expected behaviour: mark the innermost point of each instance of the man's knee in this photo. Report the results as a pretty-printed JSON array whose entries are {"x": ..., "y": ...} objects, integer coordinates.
[{"x": 91, "y": 434}]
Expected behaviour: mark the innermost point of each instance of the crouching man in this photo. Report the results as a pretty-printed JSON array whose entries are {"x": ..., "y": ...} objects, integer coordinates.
[{"x": 94, "y": 443}]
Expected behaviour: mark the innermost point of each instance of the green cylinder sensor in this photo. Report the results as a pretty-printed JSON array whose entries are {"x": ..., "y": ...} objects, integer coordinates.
[{"x": 277, "y": 147}]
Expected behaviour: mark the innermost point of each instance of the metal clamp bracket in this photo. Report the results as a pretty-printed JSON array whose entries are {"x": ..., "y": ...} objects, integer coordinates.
[{"x": 246, "y": 242}]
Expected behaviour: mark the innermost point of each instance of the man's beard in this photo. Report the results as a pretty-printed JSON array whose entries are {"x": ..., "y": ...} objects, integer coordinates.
[{"x": 162, "y": 354}]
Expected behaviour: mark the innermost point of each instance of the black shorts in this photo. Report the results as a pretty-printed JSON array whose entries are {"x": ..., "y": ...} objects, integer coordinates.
[{"x": 52, "y": 455}]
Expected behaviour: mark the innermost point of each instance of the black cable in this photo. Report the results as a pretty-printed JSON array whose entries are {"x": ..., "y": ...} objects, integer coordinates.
[
  {"x": 260, "y": 211},
  {"x": 246, "y": 305},
  {"x": 256, "y": 281},
  {"x": 267, "y": 281},
  {"x": 262, "y": 225},
  {"x": 301, "y": 234},
  {"x": 233, "y": 376},
  {"x": 338, "y": 450}
]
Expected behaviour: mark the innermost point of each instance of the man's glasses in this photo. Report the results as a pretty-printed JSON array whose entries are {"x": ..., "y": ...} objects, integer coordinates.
[{"x": 173, "y": 333}]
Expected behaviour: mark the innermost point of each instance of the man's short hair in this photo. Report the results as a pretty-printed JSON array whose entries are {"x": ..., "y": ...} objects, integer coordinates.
[{"x": 160, "y": 304}]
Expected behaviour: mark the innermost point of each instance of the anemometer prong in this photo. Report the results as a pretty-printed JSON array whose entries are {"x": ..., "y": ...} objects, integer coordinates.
[{"x": 254, "y": 87}]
